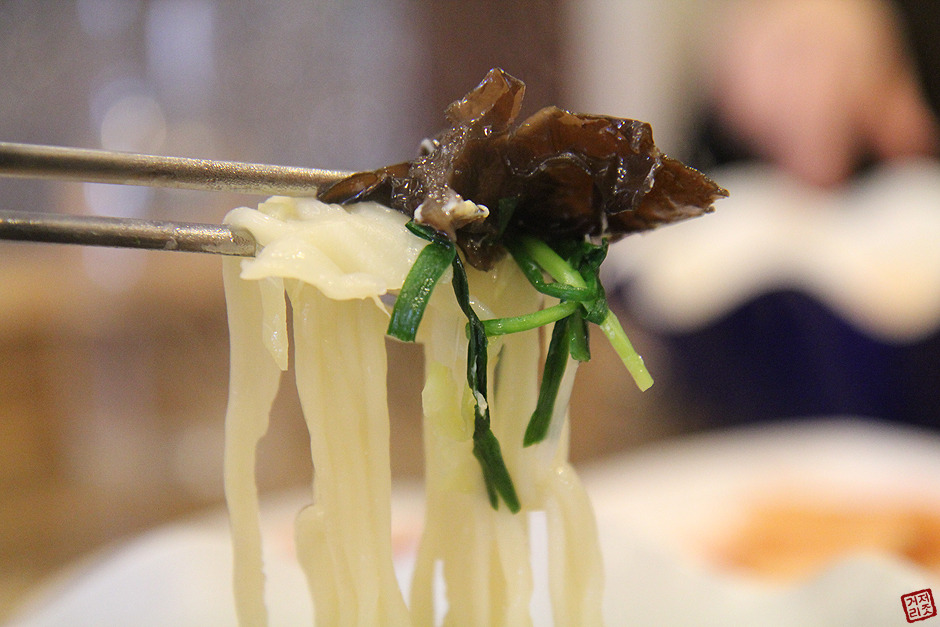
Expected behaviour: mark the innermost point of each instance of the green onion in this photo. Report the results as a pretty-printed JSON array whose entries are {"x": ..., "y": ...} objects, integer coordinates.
[
  {"x": 551, "y": 262},
  {"x": 406, "y": 317},
  {"x": 595, "y": 310},
  {"x": 476, "y": 354},
  {"x": 579, "y": 346},
  {"x": 526, "y": 322},
  {"x": 533, "y": 272},
  {"x": 485, "y": 445},
  {"x": 555, "y": 362},
  {"x": 631, "y": 359},
  {"x": 575, "y": 272},
  {"x": 576, "y": 267},
  {"x": 495, "y": 474},
  {"x": 590, "y": 259},
  {"x": 415, "y": 292},
  {"x": 424, "y": 231}
]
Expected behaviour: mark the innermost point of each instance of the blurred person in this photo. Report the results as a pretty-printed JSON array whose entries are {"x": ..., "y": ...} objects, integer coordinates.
[
  {"x": 822, "y": 87},
  {"x": 835, "y": 103}
]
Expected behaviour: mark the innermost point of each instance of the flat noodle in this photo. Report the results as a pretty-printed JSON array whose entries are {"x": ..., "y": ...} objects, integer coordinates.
[
  {"x": 344, "y": 537},
  {"x": 485, "y": 553},
  {"x": 253, "y": 383},
  {"x": 576, "y": 568}
]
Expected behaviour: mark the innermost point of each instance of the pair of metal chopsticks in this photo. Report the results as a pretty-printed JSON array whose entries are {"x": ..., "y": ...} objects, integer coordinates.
[{"x": 102, "y": 166}]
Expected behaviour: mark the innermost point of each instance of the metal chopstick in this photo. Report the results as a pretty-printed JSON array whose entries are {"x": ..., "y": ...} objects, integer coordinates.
[
  {"x": 103, "y": 166},
  {"x": 125, "y": 233}
]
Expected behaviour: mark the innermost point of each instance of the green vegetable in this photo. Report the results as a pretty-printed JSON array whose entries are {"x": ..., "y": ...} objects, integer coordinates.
[
  {"x": 533, "y": 272},
  {"x": 578, "y": 345},
  {"x": 574, "y": 269},
  {"x": 588, "y": 258},
  {"x": 406, "y": 316},
  {"x": 485, "y": 445},
  {"x": 551, "y": 262},
  {"x": 628, "y": 355},
  {"x": 555, "y": 362},
  {"x": 415, "y": 293},
  {"x": 526, "y": 322},
  {"x": 576, "y": 277}
]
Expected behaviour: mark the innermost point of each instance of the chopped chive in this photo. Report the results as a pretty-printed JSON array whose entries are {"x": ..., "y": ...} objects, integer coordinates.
[
  {"x": 595, "y": 310},
  {"x": 533, "y": 272},
  {"x": 495, "y": 474},
  {"x": 416, "y": 291},
  {"x": 485, "y": 445},
  {"x": 535, "y": 256},
  {"x": 575, "y": 281},
  {"x": 526, "y": 322},
  {"x": 589, "y": 266},
  {"x": 476, "y": 350},
  {"x": 631, "y": 359},
  {"x": 555, "y": 362},
  {"x": 592, "y": 256},
  {"x": 424, "y": 231},
  {"x": 550, "y": 261},
  {"x": 579, "y": 346}
]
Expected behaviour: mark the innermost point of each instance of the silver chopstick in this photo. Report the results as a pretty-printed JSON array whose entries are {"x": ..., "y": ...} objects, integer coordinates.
[
  {"x": 104, "y": 166},
  {"x": 126, "y": 233}
]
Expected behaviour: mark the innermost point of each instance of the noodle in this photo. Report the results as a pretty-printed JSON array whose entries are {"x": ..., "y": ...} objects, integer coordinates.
[
  {"x": 485, "y": 552},
  {"x": 344, "y": 538},
  {"x": 334, "y": 264},
  {"x": 253, "y": 383}
]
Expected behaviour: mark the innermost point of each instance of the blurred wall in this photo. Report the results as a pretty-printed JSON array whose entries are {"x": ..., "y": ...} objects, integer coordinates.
[
  {"x": 113, "y": 375},
  {"x": 640, "y": 60}
]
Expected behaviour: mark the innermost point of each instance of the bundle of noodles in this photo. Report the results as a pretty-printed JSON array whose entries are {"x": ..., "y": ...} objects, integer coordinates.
[
  {"x": 333, "y": 263},
  {"x": 485, "y": 552},
  {"x": 551, "y": 193}
]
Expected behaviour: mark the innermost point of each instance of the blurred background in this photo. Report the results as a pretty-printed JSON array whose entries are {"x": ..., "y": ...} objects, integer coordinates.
[{"x": 113, "y": 364}]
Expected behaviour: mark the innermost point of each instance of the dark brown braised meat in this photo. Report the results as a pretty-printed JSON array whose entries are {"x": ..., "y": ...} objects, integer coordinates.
[{"x": 558, "y": 175}]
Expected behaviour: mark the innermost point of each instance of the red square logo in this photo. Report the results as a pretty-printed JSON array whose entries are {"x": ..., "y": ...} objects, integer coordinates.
[{"x": 919, "y": 605}]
